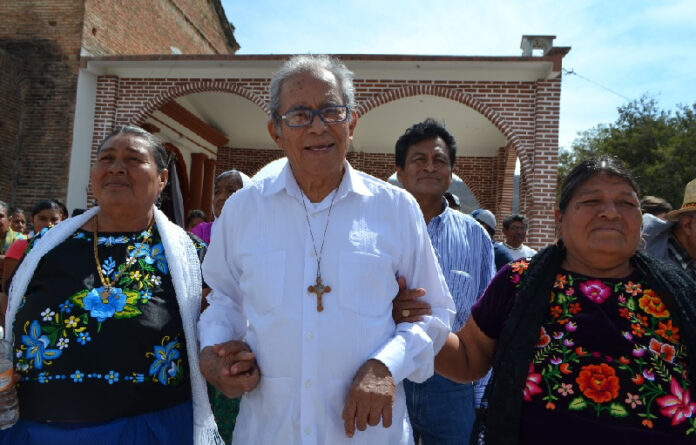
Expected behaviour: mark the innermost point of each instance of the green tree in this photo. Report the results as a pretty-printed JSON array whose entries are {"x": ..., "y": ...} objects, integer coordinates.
[{"x": 658, "y": 146}]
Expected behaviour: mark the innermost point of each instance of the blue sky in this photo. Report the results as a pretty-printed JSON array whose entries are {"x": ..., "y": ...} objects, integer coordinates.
[{"x": 631, "y": 47}]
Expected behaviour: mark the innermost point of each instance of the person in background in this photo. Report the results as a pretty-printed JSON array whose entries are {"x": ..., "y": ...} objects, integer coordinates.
[
  {"x": 655, "y": 206},
  {"x": 487, "y": 219},
  {"x": 591, "y": 341},
  {"x": 515, "y": 231},
  {"x": 226, "y": 184},
  {"x": 442, "y": 411},
  {"x": 674, "y": 240},
  {"x": 194, "y": 218},
  {"x": 102, "y": 313},
  {"x": 7, "y": 235},
  {"x": 452, "y": 200},
  {"x": 18, "y": 221},
  {"x": 46, "y": 213}
]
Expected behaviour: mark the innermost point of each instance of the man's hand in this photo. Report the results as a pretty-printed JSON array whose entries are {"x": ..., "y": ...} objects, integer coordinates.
[
  {"x": 406, "y": 306},
  {"x": 371, "y": 398},
  {"x": 230, "y": 367}
]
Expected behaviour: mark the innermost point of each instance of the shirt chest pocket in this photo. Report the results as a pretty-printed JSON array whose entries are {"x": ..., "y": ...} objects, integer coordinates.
[
  {"x": 367, "y": 283},
  {"x": 263, "y": 279}
]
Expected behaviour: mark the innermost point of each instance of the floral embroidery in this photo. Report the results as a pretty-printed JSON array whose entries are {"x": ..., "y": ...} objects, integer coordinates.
[
  {"x": 595, "y": 290},
  {"x": 645, "y": 386},
  {"x": 532, "y": 386},
  {"x": 36, "y": 346},
  {"x": 598, "y": 383},
  {"x": 166, "y": 367},
  {"x": 677, "y": 405},
  {"x": 652, "y": 304}
]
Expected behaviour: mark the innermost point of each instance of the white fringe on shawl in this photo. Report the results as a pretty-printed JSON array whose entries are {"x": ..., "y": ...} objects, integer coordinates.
[{"x": 186, "y": 278}]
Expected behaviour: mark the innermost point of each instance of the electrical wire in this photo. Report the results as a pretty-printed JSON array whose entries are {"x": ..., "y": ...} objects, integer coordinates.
[{"x": 572, "y": 72}]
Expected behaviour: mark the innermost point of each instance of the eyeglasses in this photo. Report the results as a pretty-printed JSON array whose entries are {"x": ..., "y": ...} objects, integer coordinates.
[{"x": 333, "y": 114}]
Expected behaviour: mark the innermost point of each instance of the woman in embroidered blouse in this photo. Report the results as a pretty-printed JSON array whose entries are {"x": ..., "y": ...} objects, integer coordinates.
[
  {"x": 102, "y": 312},
  {"x": 590, "y": 342}
]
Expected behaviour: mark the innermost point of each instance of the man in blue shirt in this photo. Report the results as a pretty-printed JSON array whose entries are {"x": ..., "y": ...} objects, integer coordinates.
[{"x": 442, "y": 411}]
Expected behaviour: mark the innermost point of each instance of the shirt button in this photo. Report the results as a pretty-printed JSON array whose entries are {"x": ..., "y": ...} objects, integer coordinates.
[
  {"x": 308, "y": 384},
  {"x": 309, "y": 336},
  {"x": 312, "y": 254},
  {"x": 314, "y": 215},
  {"x": 307, "y": 430}
]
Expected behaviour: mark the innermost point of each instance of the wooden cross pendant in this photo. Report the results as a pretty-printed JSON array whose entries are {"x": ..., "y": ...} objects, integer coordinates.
[{"x": 319, "y": 289}]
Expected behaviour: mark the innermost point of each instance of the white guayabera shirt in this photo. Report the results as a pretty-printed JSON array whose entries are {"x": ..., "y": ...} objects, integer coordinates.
[{"x": 260, "y": 263}]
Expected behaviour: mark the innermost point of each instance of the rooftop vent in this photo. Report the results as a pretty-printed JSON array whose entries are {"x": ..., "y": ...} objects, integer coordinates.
[{"x": 530, "y": 43}]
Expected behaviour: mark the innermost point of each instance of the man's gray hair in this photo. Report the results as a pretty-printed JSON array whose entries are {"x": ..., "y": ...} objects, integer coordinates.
[
  {"x": 312, "y": 63},
  {"x": 3, "y": 205}
]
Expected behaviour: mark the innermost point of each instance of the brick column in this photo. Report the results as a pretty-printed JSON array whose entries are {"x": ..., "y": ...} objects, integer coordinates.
[{"x": 541, "y": 182}]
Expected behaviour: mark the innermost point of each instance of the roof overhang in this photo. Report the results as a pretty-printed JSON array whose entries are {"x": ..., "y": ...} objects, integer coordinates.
[{"x": 397, "y": 67}]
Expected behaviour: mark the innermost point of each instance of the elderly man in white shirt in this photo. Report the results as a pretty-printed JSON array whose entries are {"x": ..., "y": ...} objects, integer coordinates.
[{"x": 303, "y": 268}]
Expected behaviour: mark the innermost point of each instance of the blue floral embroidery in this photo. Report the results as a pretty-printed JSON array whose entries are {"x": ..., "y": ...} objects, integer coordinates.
[
  {"x": 165, "y": 366},
  {"x": 83, "y": 338},
  {"x": 66, "y": 307},
  {"x": 103, "y": 309},
  {"x": 108, "y": 266},
  {"x": 153, "y": 255},
  {"x": 37, "y": 346},
  {"x": 109, "y": 241},
  {"x": 77, "y": 376},
  {"x": 111, "y": 377},
  {"x": 145, "y": 295}
]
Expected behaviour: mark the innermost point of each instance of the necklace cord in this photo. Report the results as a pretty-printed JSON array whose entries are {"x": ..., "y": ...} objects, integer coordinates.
[{"x": 311, "y": 233}]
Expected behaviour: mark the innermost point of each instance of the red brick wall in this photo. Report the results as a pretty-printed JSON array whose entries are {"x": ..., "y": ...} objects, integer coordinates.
[
  {"x": 525, "y": 112},
  {"x": 247, "y": 160},
  {"x": 12, "y": 91},
  {"x": 45, "y": 37},
  {"x": 152, "y": 27}
]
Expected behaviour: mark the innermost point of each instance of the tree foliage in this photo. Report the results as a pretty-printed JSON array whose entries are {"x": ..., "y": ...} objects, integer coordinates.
[{"x": 658, "y": 146}]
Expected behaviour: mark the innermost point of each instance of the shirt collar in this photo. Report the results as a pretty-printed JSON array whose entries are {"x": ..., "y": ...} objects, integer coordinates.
[
  {"x": 352, "y": 182},
  {"x": 439, "y": 219}
]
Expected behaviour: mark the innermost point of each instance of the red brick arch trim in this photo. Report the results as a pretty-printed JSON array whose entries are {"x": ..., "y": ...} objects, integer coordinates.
[
  {"x": 448, "y": 93},
  {"x": 198, "y": 86}
]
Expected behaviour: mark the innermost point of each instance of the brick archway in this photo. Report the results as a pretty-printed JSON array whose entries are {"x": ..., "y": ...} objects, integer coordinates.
[
  {"x": 198, "y": 86},
  {"x": 448, "y": 93}
]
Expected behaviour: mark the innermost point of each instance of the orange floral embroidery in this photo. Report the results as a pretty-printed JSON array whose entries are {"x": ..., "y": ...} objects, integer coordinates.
[
  {"x": 637, "y": 329},
  {"x": 633, "y": 288},
  {"x": 561, "y": 281},
  {"x": 647, "y": 422},
  {"x": 544, "y": 338},
  {"x": 574, "y": 308},
  {"x": 663, "y": 350},
  {"x": 652, "y": 304},
  {"x": 598, "y": 382},
  {"x": 643, "y": 319},
  {"x": 667, "y": 331},
  {"x": 519, "y": 266},
  {"x": 556, "y": 311}
]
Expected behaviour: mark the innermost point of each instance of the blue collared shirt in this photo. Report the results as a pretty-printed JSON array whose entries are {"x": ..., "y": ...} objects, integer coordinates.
[{"x": 465, "y": 253}]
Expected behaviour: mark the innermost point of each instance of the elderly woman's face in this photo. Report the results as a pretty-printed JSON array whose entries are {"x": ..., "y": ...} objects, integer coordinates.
[
  {"x": 125, "y": 174},
  {"x": 601, "y": 225}
]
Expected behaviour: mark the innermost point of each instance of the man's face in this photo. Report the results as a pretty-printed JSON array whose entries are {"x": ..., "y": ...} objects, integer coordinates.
[
  {"x": 427, "y": 170},
  {"x": 687, "y": 223},
  {"x": 317, "y": 151},
  {"x": 515, "y": 233},
  {"x": 4, "y": 221}
]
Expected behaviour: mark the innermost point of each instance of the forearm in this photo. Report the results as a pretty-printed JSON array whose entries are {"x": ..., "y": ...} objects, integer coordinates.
[{"x": 466, "y": 355}]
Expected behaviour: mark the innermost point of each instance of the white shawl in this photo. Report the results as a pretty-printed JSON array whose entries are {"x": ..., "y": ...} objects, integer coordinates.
[{"x": 186, "y": 277}]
